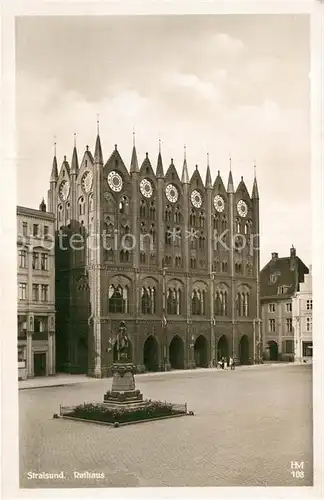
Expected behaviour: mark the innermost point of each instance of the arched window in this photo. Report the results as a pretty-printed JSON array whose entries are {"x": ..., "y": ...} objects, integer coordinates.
[
  {"x": 68, "y": 210},
  {"x": 215, "y": 222},
  {"x": 224, "y": 224},
  {"x": 167, "y": 213},
  {"x": 152, "y": 211},
  {"x": 192, "y": 218},
  {"x": 225, "y": 303},
  {"x": 142, "y": 257},
  {"x": 168, "y": 236},
  {"x": 123, "y": 205},
  {"x": 124, "y": 256},
  {"x": 247, "y": 305},
  {"x": 238, "y": 227},
  {"x": 143, "y": 209},
  {"x": 60, "y": 212},
  {"x": 81, "y": 204},
  {"x": 177, "y": 237},
  {"x": 178, "y": 261},
  {"x": 202, "y": 220},
  {"x": 118, "y": 300},
  {"x": 242, "y": 305},
  {"x": 238, "y": 304},
  {"x": 198, "y": 301},
  {"x": 148, "y": 300},
  {"x": 153, "y": 233},
  {"x": 91, "y": 203}
]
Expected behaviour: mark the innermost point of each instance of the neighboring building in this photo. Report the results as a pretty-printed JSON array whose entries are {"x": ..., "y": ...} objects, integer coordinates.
[
  {"x": 186, "y": 300},
  {"x": 36, "y": 292},
  {"x": 302, "y": 315},
  {"x": 279, "y": 280}
]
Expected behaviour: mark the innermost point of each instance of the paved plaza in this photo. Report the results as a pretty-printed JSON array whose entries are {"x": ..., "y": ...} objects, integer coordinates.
[{"x": 249, "y": 425}]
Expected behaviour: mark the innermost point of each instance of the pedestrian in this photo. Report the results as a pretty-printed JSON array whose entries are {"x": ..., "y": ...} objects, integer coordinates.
[
  {"x": 233, "y": 364},
  {"x": 230, "y": 361},
  {"x": 223, "y": 363}
]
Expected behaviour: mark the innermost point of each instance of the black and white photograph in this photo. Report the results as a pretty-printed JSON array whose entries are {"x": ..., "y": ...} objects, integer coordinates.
[{"x": 163, "y": 251}]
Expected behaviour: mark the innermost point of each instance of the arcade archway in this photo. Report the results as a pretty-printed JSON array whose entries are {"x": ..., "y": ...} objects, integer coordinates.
[
  {"x": 222, "y": 348},
  {"x": 151, "y": 354},
  {"x": 176, "y": 353},
  {"x": 273, "y": 350},
  {"x": 244, "y": 350},
  {"x": 200, "y": 352}
]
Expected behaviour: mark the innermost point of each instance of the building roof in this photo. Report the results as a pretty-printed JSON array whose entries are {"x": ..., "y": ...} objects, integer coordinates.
[
  {"x": 32, "y": 212},
  {"x": 281, "y": 276}
]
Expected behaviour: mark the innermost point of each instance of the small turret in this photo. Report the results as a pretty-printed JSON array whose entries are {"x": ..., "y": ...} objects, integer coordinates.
[{"x": 42, "y": 206}]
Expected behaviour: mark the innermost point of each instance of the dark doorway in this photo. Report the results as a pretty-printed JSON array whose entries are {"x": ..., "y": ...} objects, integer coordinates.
[
  {"x": 151, "y": 354},
  {"x": 244, "y": 350},
  {"x": 200, "y": 352},
  {"x": 273, "y": 350},
  {"x": 222, "y": 348},
  {"x": 39, "y": 364},
  {"x": 176, "y": 353}
]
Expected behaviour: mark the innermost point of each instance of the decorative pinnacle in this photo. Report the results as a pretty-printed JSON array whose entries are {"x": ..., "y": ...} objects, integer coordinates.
[
  {"x": 134, "y": 136},
  {"x": 98, "y": 123},
  {"x": 207, "y": 159},
  {"x": 54, "y": 145},
  {"x": 185, "y": 152},
  {"x": 254, "y": 166},
  {"x": 160, "y": 146},
  {"x": 74, "y": 139}
]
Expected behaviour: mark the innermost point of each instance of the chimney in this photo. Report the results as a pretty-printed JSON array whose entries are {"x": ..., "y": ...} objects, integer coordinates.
[{"x": 274, "y": 256}]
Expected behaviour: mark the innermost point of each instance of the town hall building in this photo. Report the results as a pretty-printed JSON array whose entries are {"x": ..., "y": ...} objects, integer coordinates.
[{"x": 174, "y": 257}]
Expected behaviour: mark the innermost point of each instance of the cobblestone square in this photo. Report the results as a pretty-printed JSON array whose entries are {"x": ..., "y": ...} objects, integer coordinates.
[{"x": 249, "y": 425}]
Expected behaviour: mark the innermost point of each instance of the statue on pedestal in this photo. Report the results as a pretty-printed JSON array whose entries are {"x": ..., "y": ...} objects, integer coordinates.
[{"x": 123, "y": 344}]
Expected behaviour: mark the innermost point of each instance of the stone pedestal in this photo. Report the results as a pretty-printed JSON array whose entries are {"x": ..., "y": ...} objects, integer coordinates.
[{"x": 123, "y": 392}]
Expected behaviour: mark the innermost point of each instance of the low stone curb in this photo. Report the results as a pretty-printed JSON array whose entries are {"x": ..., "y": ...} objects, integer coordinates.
[
  {"x": 156, "y": 374},
  {"x": 124, "y": 423}
]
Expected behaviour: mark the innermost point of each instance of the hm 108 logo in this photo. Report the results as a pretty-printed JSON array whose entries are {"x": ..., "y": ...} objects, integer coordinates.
[{"x": 297, "y": 469}]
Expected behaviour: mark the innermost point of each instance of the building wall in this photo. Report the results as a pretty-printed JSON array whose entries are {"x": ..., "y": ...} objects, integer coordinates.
[
  {"x": 302, "y": 311},
  {"x": 36, "y": 304},
  {"x": 281, "y": 315},
  {"x": 86, "y": 324}
]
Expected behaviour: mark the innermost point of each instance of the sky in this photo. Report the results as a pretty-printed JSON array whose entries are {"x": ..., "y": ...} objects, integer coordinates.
[{"x": 228, "y": 85}]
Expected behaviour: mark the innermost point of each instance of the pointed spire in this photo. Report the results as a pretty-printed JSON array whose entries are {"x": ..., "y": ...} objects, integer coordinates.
[
  {"x": 54, "y": 173},
  {"x": 185, "y": 176},
  {"x": 230, "y": 185},
  {"x": 75, "y": 162},
  {"x": 255, "y": 191},
  {"x": 208, "y": 183},
  {"x": 159, "y": 167},
  {"x": 134, "y": 162},
  {"x": 98, "y": 151}
]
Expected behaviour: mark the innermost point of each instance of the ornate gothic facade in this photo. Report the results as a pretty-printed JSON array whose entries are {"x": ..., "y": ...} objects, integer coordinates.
[{"x": 176, "y": 259}]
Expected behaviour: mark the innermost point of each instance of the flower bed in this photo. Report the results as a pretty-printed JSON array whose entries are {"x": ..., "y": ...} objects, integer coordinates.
[{"x": 101, "y": 413}]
